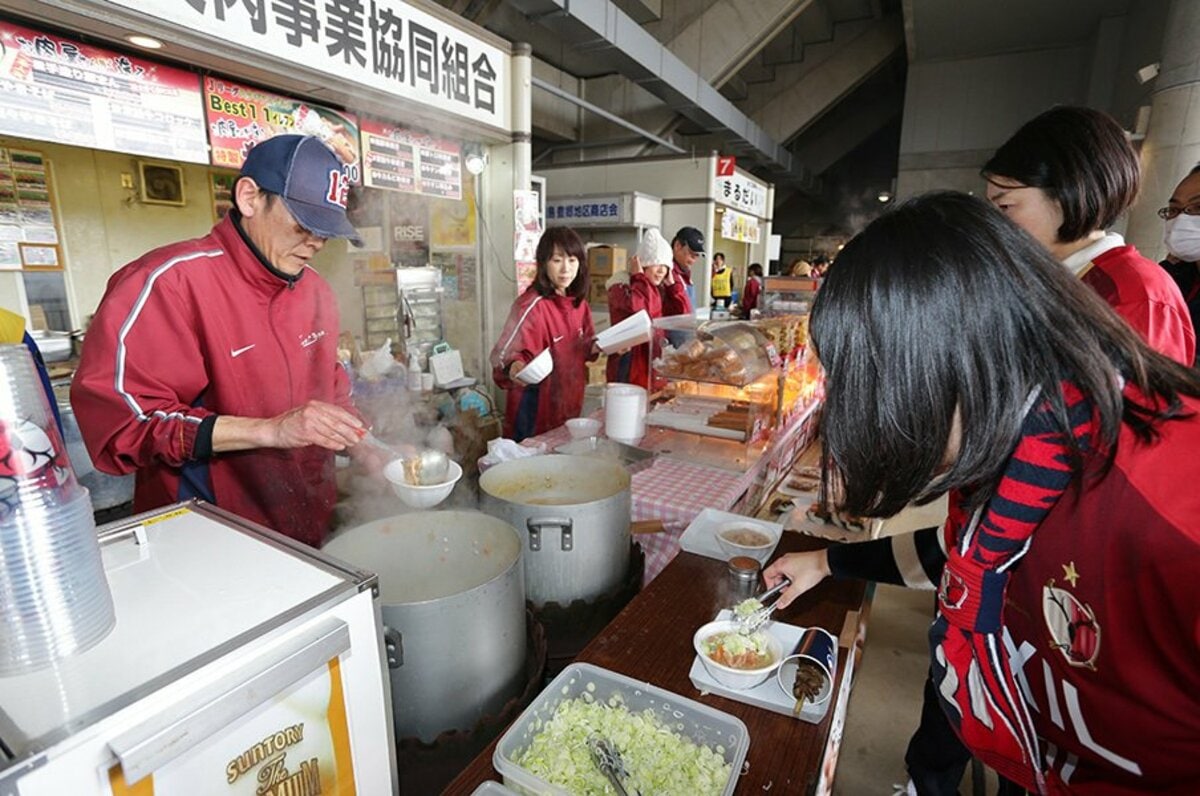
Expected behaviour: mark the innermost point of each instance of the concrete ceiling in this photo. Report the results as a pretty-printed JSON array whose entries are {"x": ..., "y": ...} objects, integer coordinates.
[{"x": 941, "y": 29}]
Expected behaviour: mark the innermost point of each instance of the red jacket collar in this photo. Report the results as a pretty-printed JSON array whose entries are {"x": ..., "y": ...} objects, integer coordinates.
[{"x": 249, "y": 260}]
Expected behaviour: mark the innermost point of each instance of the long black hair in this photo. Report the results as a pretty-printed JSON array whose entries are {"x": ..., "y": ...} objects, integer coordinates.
[
  {"x": 941, "y": 306},
  {"x": 569, "y": 241}
]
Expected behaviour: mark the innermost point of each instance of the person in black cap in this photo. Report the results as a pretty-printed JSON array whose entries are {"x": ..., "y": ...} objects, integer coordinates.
[
  {"x": 210, "y": 367},
  {"x": 687, "y": 247}
]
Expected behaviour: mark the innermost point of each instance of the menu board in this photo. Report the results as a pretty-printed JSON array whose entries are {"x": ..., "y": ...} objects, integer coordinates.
[
  {"x": 397, "y": 159},
  {"x": 240, "y": 116},
  {"x": 28, "y": 231},
  {"x": 56, "y": 89}
]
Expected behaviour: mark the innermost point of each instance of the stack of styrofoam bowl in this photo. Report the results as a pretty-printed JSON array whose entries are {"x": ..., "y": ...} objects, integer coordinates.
[
  {"x": 625, "y": 412},
  {"x": 52, "y": 583}
]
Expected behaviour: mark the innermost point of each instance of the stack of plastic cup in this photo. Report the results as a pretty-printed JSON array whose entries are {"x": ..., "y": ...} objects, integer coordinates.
[
  {"x": 625, "y": 413},
  {"x": 52, "y": 585}
]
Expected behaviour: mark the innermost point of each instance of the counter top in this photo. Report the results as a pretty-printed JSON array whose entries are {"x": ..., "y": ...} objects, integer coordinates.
[{"x": 651, "y": 640}]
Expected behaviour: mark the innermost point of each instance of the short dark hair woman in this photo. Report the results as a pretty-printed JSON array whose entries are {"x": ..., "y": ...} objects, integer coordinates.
[
  {"x": 962, "y": 358},
  {"x": 1065, "y": 177},
  {"x": 552, "y": 315}
]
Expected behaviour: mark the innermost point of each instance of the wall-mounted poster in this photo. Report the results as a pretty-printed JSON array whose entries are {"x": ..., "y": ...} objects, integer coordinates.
[
  {"x": 27, "y": 211},
  {"x": 397, "y": 159},
  {"x": 61, "y": 90},
  {"x": 240, "y": 116},
  {"x": 221, "y": 186},
  {"x": 526, "y": 233}
]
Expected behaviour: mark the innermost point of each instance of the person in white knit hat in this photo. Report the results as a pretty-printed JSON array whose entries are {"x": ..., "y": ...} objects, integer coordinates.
[{"x": 649, "y": 285}]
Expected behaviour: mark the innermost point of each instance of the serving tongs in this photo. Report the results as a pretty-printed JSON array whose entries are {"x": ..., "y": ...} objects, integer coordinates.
[
  {"x": 753, "y": 622},
  {"x": 608, "y": 760}
]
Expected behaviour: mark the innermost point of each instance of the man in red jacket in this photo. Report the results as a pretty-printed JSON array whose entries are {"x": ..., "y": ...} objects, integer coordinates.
[{"x": 210, "y": 367}]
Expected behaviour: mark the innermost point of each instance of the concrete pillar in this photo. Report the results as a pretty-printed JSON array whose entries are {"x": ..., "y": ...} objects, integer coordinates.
[
  {"x": 1172, "y": 145},
  {"x": 509, "y": 169}
]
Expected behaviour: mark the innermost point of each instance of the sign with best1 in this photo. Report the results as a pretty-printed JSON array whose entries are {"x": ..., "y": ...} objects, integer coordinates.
[{"x": 387, "y": 45}]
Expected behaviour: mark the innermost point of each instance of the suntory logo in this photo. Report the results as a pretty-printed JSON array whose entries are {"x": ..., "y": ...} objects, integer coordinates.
[{"x": 269, "y": 756}]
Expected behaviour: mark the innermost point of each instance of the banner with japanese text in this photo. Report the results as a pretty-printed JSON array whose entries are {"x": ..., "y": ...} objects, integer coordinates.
[
  {"x": 60, "y": 90},
  {"x": 388, "y": 45},
  {"x": 240, "y": 116},
  {"x": 742, "y": 193}
]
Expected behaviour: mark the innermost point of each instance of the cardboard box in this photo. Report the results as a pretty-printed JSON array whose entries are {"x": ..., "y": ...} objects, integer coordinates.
[
  {"x": 606, "y": 260},
  {"x": 598, "y": 292}
]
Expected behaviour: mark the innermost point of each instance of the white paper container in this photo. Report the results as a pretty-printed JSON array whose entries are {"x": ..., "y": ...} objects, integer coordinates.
[
  {"x": 634, "y": 330},
  {"x": 625, "y": 412},
  {"x": 702, "y": 724},
  {"x": 700, "y": 537}
]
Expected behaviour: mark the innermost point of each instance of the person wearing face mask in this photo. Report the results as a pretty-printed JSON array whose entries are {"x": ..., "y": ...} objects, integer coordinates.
[
  {"x": 552, "y": 314},
  {"x": 650, "y": 285},
  {"x": 1065, "y": 177},
  {"x": 1182, "y": 236}
]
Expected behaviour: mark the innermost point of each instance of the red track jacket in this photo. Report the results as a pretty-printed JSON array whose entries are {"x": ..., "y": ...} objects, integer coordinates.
[{"x": 198, "y": 329}]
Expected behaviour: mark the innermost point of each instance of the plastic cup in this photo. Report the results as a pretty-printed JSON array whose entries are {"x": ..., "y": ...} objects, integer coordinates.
[{"x": 51, "y": 573}]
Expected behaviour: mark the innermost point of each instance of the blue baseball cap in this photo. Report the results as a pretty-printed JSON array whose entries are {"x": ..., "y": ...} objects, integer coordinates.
[{"x": 309, "y": 178}]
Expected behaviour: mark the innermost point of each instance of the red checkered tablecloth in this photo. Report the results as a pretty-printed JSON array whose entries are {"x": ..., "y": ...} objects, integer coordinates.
[{"x": 675, "y": 492}]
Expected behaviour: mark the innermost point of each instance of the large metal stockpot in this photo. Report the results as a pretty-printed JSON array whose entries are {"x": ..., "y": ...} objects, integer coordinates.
[
  {"x": 453, "y": 597},
  {"x": 573, "y": 513}
]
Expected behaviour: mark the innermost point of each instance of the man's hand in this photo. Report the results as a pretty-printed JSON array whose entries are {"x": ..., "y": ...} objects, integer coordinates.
[{"x": 316, "y": 423}]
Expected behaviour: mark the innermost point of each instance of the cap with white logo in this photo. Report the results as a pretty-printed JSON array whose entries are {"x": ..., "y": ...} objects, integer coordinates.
[{"x": 309, "y": 178}]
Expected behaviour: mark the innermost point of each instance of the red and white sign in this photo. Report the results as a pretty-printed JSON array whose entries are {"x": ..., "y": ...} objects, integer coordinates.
[
  {"x": 60, "y": 90},
  {"x": 726, "y": 165}
]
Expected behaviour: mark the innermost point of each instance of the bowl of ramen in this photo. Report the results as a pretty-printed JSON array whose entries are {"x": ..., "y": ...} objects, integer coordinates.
[
  {"x": 734, "y": 659},
  {"x": 746, "y": 538},
  {"x": 420, "y": 496}
]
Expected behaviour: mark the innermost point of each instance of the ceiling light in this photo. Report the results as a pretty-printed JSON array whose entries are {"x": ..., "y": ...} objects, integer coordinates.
[
  {"x": 475, "y": 162},
  {"x": 884, "y": 196},
  {"x": 144, "y": 41}
]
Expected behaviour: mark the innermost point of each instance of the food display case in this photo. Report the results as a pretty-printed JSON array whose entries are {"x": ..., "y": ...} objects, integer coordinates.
[
  {"x": 722, "y": 381},
  {"x": 787, "y": 295}
]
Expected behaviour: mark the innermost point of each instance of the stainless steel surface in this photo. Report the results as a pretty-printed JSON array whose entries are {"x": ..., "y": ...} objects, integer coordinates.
[
  {"x": 608, "y": 760},
  {"x": 592, "y": 555},
  {"x": 752, "y": 622},
  {"x": 453, "y": 608},
  {"x": 167, "y": 735},
  {"x": 631, "y": 456}
]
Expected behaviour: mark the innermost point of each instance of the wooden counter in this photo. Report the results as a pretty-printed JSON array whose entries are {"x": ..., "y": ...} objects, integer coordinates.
[{"x": 651, "y": 640}]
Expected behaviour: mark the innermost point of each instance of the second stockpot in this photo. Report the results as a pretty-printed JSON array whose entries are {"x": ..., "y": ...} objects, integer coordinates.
[
  {"x": 573, "y": 514},
  {"x": 451, "y": 587}
]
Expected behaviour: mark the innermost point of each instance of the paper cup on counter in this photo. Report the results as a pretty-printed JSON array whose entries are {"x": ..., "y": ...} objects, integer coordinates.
[
  {"x": 816, "y": 648},
  {"x": 427, "y": 382}
]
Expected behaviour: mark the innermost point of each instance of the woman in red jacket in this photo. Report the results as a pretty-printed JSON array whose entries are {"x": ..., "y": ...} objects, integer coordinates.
[
  {"x": 552, "y": 314},
  {"x": 650, "y": 285},
  {"x": 753, "y": 289}
]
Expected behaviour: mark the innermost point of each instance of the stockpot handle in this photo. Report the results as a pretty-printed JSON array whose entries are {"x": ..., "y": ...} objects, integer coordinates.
[
  {"x": 565, "y": 524},
  {"x": 393, "y": 645}
]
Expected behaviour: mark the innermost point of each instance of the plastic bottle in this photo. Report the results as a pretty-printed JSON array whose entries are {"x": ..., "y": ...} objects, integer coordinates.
[{"x": 414, "y": 371}]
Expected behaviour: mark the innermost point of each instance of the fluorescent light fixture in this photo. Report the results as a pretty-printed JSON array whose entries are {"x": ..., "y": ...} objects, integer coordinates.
[{"x": 144, "y": 42}]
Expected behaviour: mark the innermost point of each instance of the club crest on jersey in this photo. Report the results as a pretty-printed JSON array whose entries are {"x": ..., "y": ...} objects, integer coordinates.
[
  {"x": 953, "y": 591},
  {"x": 339, "y": 188},
  {"x": 1072, "y": 624}
]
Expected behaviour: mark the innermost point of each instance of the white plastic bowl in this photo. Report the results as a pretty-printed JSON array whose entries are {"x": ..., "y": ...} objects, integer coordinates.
[
  {"x": 537, "y": 369},
  {"x": 583, "y": 427},
  {"x": 759, "y": 553},
  {"x": 420, "y": 497},
  {"x": 737, "y": 679}
]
